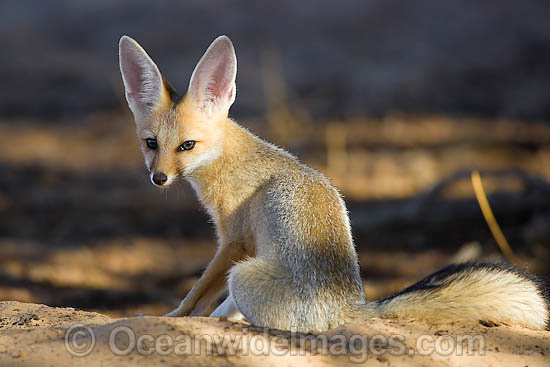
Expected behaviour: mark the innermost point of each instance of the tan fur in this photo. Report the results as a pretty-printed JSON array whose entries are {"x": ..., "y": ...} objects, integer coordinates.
[{"x": 285, "y": 243}]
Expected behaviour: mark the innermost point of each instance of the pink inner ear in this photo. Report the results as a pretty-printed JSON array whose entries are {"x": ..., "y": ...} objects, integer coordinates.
[
  {"x": 141, "y": 78},
  {"x": 130, "y": 69},
  {"x": 132, "y": 74},
  {"x": 213, "y": 81},
  {"x": 221, "y": 79}
]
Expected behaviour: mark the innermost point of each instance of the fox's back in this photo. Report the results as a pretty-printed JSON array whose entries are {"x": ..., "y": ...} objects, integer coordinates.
[
  {"x": 300, "y": 207},
  {"x": 281, "y": 199},
  {"x": 298, "y": 219}
]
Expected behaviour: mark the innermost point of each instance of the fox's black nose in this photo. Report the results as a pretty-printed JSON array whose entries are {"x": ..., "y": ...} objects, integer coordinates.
[{"x": 159, "y": 178}]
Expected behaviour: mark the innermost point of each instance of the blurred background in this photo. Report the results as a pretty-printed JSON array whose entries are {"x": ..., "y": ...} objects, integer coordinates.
[{"x": 397, "y": 102}]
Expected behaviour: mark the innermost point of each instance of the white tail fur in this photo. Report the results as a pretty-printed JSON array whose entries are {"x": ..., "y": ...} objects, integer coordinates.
[{"x": 470, "y": 292}]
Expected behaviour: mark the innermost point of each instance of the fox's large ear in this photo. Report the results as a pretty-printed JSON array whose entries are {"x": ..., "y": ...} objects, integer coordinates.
[
  {"x": 212, "y": 86},
  {"x": 141, "y": 77}
]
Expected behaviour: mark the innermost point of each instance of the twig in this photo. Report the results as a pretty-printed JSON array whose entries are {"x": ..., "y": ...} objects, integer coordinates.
[{"x": 490, "y": 218}]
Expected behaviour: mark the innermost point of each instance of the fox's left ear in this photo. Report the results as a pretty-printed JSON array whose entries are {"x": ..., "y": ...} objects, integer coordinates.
[{"x": 212, "y": 86}]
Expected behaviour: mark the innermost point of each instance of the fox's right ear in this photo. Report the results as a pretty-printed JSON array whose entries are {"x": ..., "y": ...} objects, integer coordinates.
[{"x": 142, "y": 79}]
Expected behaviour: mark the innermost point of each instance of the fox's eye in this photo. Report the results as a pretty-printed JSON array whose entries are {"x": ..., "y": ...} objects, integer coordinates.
[
  {"x": 188, "y": 145},
  {"x": 151, "y": 143}
]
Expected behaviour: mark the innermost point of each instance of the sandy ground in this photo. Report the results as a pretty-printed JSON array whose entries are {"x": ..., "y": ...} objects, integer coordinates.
[{"x": 38, "y": 335}]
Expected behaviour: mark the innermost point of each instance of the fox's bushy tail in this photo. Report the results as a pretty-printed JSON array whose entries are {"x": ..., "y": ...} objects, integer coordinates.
[{"x": 471, "y": 292}]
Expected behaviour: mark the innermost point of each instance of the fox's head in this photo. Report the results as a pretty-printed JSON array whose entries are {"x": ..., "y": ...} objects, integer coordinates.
[{"x": 179, "y": 135}]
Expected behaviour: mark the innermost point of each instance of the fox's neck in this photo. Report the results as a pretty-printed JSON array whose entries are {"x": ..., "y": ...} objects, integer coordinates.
[{"x": 227, "y": 183}]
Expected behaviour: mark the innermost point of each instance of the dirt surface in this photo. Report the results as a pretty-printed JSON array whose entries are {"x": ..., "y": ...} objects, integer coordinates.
[{"x": 38, "y": 335}]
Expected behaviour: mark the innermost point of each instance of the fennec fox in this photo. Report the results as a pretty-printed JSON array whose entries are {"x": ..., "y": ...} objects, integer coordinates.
[{"x": 285, "y": 247}]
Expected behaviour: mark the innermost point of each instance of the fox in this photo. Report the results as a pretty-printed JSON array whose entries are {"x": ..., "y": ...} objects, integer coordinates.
[{"x": 286, "y": 255}]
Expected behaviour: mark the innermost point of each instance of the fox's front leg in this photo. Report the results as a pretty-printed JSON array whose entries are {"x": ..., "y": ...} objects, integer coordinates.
[{"x": 211, "y": 283}]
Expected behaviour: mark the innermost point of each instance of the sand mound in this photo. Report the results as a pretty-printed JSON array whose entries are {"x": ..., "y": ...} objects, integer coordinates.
[{"x": 38, "y": 335}]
